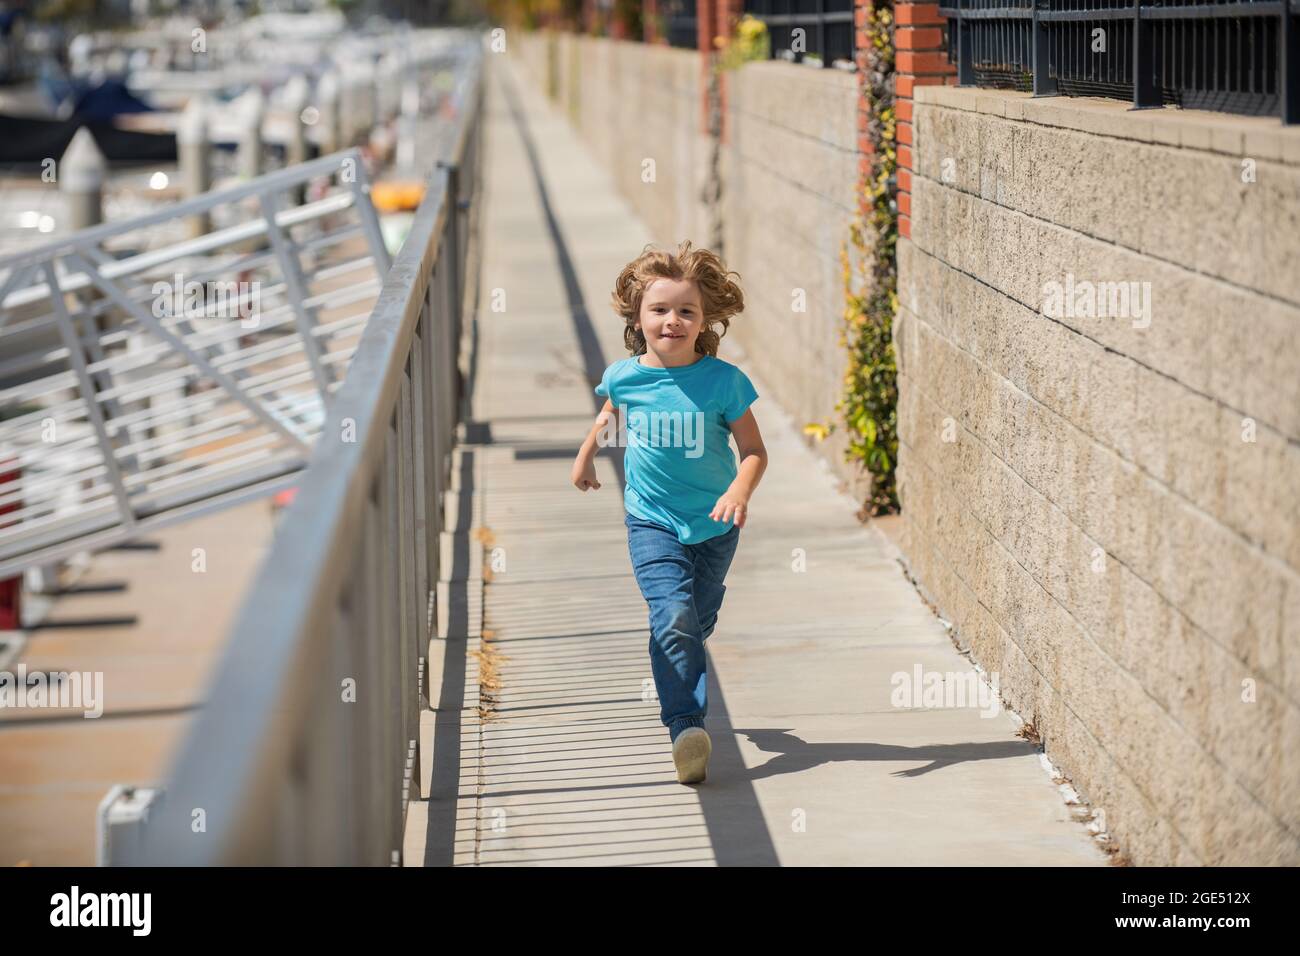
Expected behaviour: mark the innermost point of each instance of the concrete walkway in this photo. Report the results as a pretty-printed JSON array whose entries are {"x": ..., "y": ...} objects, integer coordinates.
[{"x": 563, "y": 760}]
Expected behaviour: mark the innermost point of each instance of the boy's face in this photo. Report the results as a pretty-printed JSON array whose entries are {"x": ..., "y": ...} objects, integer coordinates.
[{"x": 671, "y": 318}]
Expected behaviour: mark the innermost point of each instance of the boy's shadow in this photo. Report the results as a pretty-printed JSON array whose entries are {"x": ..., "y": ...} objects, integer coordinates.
[{"x": 793, "y": 754}]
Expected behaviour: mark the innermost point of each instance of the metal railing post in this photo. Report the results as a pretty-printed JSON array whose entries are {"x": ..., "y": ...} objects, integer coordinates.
[
  {"x": 409, "y": 604},
  {"x": 436, "y": 305},
  {"x": 1145, "y": 91},
  {"x": 965, "y": 47},
  {"x": 1289, "y": 61},
  {"x": 291, "y": 270},
  {"x": 77, "y": 359},
  {"x": 370, "y": 219},
  {"x": 456, "y": 293},
  {"x": 370, "y": 690},
  {"x": 434, "y": 481},
  {"x": 1044, "y": 82},
  {"x": 420, "y": 477}
]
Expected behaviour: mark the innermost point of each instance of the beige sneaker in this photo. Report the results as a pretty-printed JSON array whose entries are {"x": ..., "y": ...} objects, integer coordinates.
[{"x": 691, "y": 754}]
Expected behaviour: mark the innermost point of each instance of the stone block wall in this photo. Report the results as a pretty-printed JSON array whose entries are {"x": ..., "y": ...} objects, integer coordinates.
[{"x": 1104, "y": 496}]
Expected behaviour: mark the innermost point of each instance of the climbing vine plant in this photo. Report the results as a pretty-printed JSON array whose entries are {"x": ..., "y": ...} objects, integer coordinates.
[{"x": 868, "y": 405}]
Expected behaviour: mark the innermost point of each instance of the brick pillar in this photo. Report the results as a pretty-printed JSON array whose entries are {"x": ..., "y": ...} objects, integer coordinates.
[
  {"x": 919, "y": 60},
  {"x": 649, "y": 14},
  {"x": 617, "y": 28},
  {"x": 704, "y": 14},
  {"x": 714, "y": 18},
  {"x": 861, "y": 44}
]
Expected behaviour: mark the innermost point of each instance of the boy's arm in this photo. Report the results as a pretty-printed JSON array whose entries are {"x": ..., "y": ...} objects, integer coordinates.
[
  {"x": 584, "y": 466},
  {"x": 753, "y": 462}
]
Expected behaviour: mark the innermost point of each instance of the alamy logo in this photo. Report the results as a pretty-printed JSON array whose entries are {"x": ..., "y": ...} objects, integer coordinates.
[
  {"x": 75, "y": 690},
  {"x": 641, "y": 429},
  {"x": 215, "y": 299},
  {"x": 944, "y": 689},
  {"x": 102, "y": 909},
  {"x": 1072, "y": 299}
]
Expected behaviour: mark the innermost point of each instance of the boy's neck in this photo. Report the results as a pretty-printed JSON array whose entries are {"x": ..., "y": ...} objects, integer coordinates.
[{"x": 659, "y": 363}]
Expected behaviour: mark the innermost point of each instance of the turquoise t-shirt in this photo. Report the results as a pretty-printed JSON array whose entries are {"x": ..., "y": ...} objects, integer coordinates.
[{"x": 674, "y": 425}]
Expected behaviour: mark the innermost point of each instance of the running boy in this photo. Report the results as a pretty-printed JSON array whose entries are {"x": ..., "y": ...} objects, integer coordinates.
[{"x": 686, "y": 499}]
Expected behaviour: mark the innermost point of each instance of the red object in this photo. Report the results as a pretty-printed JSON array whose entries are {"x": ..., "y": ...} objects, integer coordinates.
[
  {"x": 283, "y": 499},
  {"x": 11, "y": 589},
  {"x": 11, "y": 604}
]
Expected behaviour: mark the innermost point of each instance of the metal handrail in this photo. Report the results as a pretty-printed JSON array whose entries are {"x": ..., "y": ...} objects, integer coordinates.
[
  {"x": 306, "y": 748},
  {"x": 107, "y": 385}
]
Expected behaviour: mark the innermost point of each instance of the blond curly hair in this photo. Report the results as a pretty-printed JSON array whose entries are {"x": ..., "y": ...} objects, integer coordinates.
[{"x": 720, "y": 295}]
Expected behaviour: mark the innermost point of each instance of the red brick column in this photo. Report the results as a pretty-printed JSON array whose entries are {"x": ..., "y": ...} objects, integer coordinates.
[
  {"x": 714, "y": 18},
  {"x": 705, "y": 13},
  {"x": 649, "y": 13},
  {"x": 861, "y": 43},
  {"x": 919, "y": 60},
  {"x": 617, "y": 28}
]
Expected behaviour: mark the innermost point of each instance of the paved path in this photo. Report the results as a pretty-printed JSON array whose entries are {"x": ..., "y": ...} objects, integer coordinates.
[{"x": 566, "y": 761}]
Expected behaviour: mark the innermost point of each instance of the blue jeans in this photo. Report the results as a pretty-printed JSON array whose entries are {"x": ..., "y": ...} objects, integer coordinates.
[{"x": 682, "y": 584}]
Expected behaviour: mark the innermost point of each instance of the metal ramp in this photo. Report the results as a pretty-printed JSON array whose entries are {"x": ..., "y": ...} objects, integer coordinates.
[{"x": 142, "y": 385}]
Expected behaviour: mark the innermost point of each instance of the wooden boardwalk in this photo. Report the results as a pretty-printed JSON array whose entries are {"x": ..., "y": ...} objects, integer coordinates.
[{"x": 546, "y": 743}]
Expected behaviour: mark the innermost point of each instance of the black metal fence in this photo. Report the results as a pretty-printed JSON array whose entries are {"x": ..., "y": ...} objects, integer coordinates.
[
  {"x": 826, "y": 25},
  {"x": 680, "y": 27},
  {"x": 1238, "y": 56}
]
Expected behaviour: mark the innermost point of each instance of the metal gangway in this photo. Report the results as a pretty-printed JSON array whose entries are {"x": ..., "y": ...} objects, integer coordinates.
[
  {"x": 305, "y": 751},
  {"x": 142, "y": 386}
]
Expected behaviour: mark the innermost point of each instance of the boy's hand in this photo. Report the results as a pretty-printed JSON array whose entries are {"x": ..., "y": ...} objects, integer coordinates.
[
  {"x": 731, "y": 505},
  {"x": 584, "y": 474}
]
